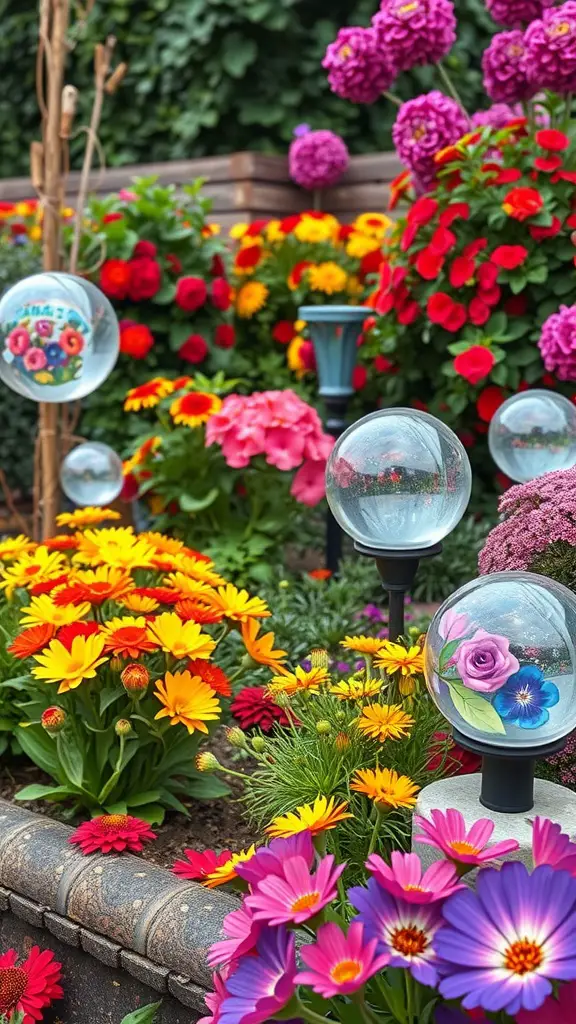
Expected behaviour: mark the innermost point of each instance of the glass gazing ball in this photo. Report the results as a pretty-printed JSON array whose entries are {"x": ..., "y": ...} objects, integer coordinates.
[
  {"x": 500, "y": 662},
  {"x": 398, "y": 479},
  {"x": 533, "y": 433},
  {"x": 91, "y": 474},
  {"x": 59, "y": 337}
]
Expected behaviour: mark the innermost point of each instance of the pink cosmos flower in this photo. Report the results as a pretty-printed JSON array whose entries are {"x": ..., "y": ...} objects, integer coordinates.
[
  {"x": 298, "y": 895},
  {"x": 35, "y": 359},
  {"x": 269, "y": 860},
  {"x": 242, "y": 933},
  {"x": 127, "y": 195},
  {"x": 466, "y": 849},
  {"x": 552, "y": 846},
  {"x": 339, "y": 964},
  {"x": 309, "y": 484},
  {"x": 404, "y": 877},
  {"x": 19, "y": 341},
  {"x": 215, "y": 999},
  {"x": 484, "y": 662}
]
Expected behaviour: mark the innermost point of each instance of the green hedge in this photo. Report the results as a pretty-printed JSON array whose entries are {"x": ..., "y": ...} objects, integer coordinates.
[{"x": 215, "y": 76}]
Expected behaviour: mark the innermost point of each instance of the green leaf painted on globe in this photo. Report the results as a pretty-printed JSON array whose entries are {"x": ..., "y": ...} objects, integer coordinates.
[
  {"x": 447, "y": 653},
  {"x": 475, "y": 709}
]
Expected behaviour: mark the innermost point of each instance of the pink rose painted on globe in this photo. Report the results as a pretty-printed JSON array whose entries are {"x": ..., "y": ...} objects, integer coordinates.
[{"x": 500, "y": 661}]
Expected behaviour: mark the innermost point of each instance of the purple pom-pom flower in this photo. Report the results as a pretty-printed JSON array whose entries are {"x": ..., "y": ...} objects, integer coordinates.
[
  {"x": 550, "y": 44},
  {"x": 513, "y": 13},
  {"x": 423, "y": 127},
  {"x": 416, "y": 31},
  {"x": 558, "y": 343},
  {"x": 318, "y": 159},
  {"x": 359, "y": 68},
  {"x": 504, "y": 67},
  {"x": 497, "y": 116}
]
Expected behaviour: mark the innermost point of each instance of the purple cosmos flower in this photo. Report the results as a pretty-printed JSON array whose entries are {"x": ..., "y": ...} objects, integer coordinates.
[
  {"x": 343, "y": 667},
  {"x": 558, "y": 343},
  {"x": 484, "y": 662},
  {"x": 269, "y": 860},
  {"x": 550, "y": 44},
  {"x": 502, "y": 945},
  {"x": 373, "y": 612},
  {"x": 504, "y": 67},
  {"x": 339, "y": 964},
  {"x": 497, "y": 116},
  {"x": 423, "y": 127},
  {"x": 525, "y": 698},
  {"x": 405, "y": 931},
  {"x": 467, "y": 848},
  {"x": 516, "y": 12},
  {"x": 415, "y": 31},
  {"x": 261, "y": 985},
  {"x": 551, "y": 846},
  {"x": 359, "y": 68},
  {"x": 318, "y": 159},
  {"x": 296, "y": 896},
  {"x": 242, "y": 933},
  {"x": 405, "y": 879}
]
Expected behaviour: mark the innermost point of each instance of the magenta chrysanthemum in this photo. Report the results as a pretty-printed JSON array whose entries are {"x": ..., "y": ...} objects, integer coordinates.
[
  {"x": 558, "y": 342},
  {"x": 416, "y": 31},
  {"x": 359, "y": 69},
  {"x": 318, "y": 159},
  {"x": 550, "y": 44},
  {"x": 424, "y": 126},
  {"x": 503, "y": 64},
  {"x": 497, "y": 116},
  {"x": 516, "y": 12}
]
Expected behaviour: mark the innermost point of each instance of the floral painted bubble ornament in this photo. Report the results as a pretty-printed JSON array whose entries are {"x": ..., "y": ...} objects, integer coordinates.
[
  {"x": 532, "y": 433},
  {"x": 59, "y": 337},
  {"x": 91, "y": 474}
]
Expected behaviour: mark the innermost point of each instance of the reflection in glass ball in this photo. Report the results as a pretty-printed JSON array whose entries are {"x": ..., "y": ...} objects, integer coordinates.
[
  {"x": 91, "y": 474},
  {"x": 533, "y": 433},
  {"x": 59, "y": 337},
  {"x": 398, "y": 479},
  {"x": 500, "y": 661}
]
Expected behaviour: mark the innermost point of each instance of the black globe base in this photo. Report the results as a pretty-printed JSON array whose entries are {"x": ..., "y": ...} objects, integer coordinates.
[
  {"x": 397, "y": 571},
  {"x": 507, "y": 773}
]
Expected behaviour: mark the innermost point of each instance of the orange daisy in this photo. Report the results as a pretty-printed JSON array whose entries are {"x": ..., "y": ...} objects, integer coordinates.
[
  {"x": 186, "y": 586},
  {"x": 195, "y": 408},
  {"x": 194, "y": 610},
  {"x": 164, "y": 595},
  {"x": 212, "y": 675},
  {"x": 260, "y": 649},
  {"x": 147, "y": 395},
  {"x": 62, "y": 542},
  {"x": 32, "y": 640},
  {"x": 105, "y": 583},
  {"x": 127, "y": 637}
]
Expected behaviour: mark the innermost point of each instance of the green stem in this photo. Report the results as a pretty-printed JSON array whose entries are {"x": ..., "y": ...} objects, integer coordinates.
[
  {"x": 375, "y": 830},
  {"x": 393, "y": 99},
  {"x": 309, "y": 1014},
  {"x": 450, "y": 84},
  {"x": 567, "y": 111},
  {"x": 409, "y": 995}
]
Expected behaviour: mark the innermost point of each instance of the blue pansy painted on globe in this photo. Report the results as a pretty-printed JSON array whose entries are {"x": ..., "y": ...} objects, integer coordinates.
[{"x": 525, "y": 698}]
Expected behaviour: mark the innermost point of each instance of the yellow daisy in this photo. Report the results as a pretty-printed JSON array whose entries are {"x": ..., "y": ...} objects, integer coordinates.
[
  {"x": 43, "y": 609},
  {"x": 359, "y": 245},
  {"x": 385, "y": 721},
  {"x": 147, "y": 395},
  {"x": 375, "y": 224},
  {"x": 322, "y": 815},
  {"x": 140, "y": 604},
  {"x": 300, "y": 679},
  {"x": 35, "y": 567},
  {"x": 86, "y": 517},
  {"x": 238, "y": 605},
  {"x": 195, "y": 408},
  {"x": 14, "y": 547},
  {"x": 187, "y": 700},
  {"x": 57, "y": 664},
  {"x": 362, "y": 644},
  {"x": 119, "y": 548},
  {"x": 385, "y": 787},
  {"x": 356, "y": 689},
  {"x": 395, "y": 658},
  {"x": 226, "y": 873},
  {"x": 180, "y": 639},
  {"x": 163, "y": 544}
]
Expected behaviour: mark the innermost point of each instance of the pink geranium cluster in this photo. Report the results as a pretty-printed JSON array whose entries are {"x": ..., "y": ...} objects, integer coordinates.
[{"x": 280, "y": 426}]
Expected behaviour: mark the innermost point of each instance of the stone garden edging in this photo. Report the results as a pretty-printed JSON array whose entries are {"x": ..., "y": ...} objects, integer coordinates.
[{"x": 124, "y": 911}]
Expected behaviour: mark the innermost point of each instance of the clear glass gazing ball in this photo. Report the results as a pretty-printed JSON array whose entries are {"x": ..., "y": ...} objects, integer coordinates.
[
  {"x": 533, "y": 433},
  {"x": 398, "y": 479},
  {"x": 59, "y": 337},
  {"x": 91, "y": 474},
  {"x": 500, "y": 662}
]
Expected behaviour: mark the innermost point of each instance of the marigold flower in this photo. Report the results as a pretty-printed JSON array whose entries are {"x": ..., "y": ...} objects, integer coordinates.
[
  {"x": 300, "y": 679},
  {"x": 238, "y": 605},
  {"x": 226, "y": 872},
  {"x": 187, "y": 700},
  {"x": 198, "y": 865},
  {"x": 327, "y": 277},
  {"x": 385, "y": 787},
  {"x": 260, "y": 649},
  {"x": 32, "y": 640},
  {"x": 112, "y": 833},
  {"x": 194, "y": 408},
  {"x": 385, "y": 721},
  {"x": 147, "y": 395},
  {"x": 88, "y": 516},
  {"x": 36, "y": 567},
  {"x": 53, "y": 720},
  {"x": 128, "y": 637},
  {"x": 212, "y": 675},
  {"x": 396, "y": 658},
  {"x": 105, "y": 583},
  {"x": 14, "y": 547},
  {"x": 362, "y": 644},
  {"x": 69, "y": 667},
  {"x": 250, "y": 299},
  {"x": 43, "y": 609},
  {"x": 356, "y": 689},
  {"x": 181, "y": 639},
  {"x": 321, "y": 816},
  {"x": 135, "y": 678},
  {"x": 30, "y": 987}
]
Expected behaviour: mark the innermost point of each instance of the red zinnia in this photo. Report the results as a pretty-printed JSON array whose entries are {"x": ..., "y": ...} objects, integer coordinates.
[
  {"x": 252, "y": 707},
  {"x": 145, "y": 279},
  {"x": 66, "y": 634},
  {"x": 225, "y": 336},
  {"x": 212, "y": 675},
  {"x": 540, "y": 232},
  {"x": 199, "y": 865},
  {"x": 136, "y": 340},
  {"x": 489, "y": 401},
  {"x": 475, "y": 363},
  {"x": 461, "y": 271},
  {"x": 522, "y": 203},
  {"x": 115, "y": 278},
  {"x": 174, "y": 263},
  {"x": 191, "y": 293},
  {"x": 32, "y": 640},
  {"x": 221, "y": 293},
  {"x": 444, "y": 311},
  {"x": 552, "y": 139},
  {"x": 508, "y": 257},
  {"x": 249, "y": 257},
  {"x": 30, "y": 987},
  {"x": 144, "y": 250},
  {"x": 194, "y": 349},
  {"x": 284, "y": 331},
  {"x": 429, "y": 264},
  {"x": 112, "y": 833}
]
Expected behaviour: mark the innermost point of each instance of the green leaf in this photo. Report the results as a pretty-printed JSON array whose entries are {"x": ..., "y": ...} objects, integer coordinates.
[
  {"x": 108, "y": 695},
  {"x": 238, "y": 53},
  {"x": 149, "y": 797},
  {"x": 475, "y": 709},
  {"x": 144, "y": 1015},
  {"x": 209, "y": 788},
  {"x": 446, "y": 653},
  {"x": 38, "y": 792},
  {"x": 38, "y": 746},
  {"x": 152, "y": 813},
  {"x": 70, "y": 758},
  {"x": 190, "y": 504}
]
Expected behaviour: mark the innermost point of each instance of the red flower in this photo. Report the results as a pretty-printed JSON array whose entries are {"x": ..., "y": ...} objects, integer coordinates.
[
  {"x": 548, "y": 164},
  {"x": 31, "y": 640},
  {"x": 417, "y": 403},
  {"x": 194, "y": 349},
  {"x": 442, "y": 310},
  {"x": 461, "y": 271},
  {"x": 398, "y": 188},
  {"x": 370, "y": 264},
  {"x": 489, "y": 401},
  {"x": 522, "y": 203},
  {"x": 475, "y": 363},
  {"x": 502, "y": 480},
  {"x": 225, "y": 336},
  {"x": 359, "y": 378},
  {"x": 422, "y": 211},
  {"x": 283, "y": 332},
  {"x": 145, "y": 279},
  {"x": 454, "y": 760},
  {"x": 478, "y": 311},
  {"x": 257, "y": 226},
  {"x": 66, "y": 634},
  {"x": 109, "y": 218},
  {"x": 194, "y": 610},
  {"x": 115, "y": 278},
  {"x": 452, "y": 213},
  {"x": 191, "y": 293},
  {"x": 429, "y": 264},
  {"x": 217, "y": 268},
  {"x": 30, "y": 987},
  {"x": 382, "y": 365},
  {"x": 252, "y": 707},
  {"x": 144, "y": 250},
  {"x": 320, "y": 574},
  {"x": 408, "y": 313},
  {"x": 467, "y": 438},
  {"x": 199, "y": 865},
  {"x": 507, "y": 175},
  {"x": 516, "y": 305},
  {"x": 212, "y": 675},
  {"x": 174, "y": 263},
  {"x": 221, "y": 293},
  {"x": 112, "y": 833},
  {"x": 442, "y": 241},
  {"x": 565, "y": 176},
  {"x": 136, "y": 340},
  {"x": 538, "y": 233},
  {"x": 487, "y": 276},
  {"x": 289, "y": 223},
  {"x": 249, "y": 257},
  {"x": 130, "y": 488},
  {"x": 47, "y": 586},
  {"x": 297, "y": 273},
  {"x": 471, "y": 250},
  {"x": 552, "y": 139},
  {"x": 508, "y": 257}
]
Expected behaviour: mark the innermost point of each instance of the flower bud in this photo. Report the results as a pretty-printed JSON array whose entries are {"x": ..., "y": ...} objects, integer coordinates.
[
  {"x": 341, "y": 741},
  {"x": 116, "y": 664},
  {"x": 341, "y": 716},
  {"x": 135, "y": 679},
  {"x": 282, "y": 700},
  {"x": 236, "y": 737},
  {"x": 206, "y": 762},
  {"x": 323, "y": 727},
  {"x": 123, "y": 727},
  {"x": 319, "y": 657},
  {"x": 421, "y": 640},
  {"x": 407, "y": 686},
  {"x": 258, "y": 744},
  {"x": 284, "y": 585},
  {"x": 53, "y": 720}
]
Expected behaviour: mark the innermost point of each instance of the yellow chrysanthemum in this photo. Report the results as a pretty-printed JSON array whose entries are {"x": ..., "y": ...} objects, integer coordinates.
[
  {"x": 237, "y": 231},
  {"x": 57, "y": 664},
  {"x": 147, "y": 395},
  {"x": 356, "y": 689},
  {"x": 187, "y": 700},
  {"x": 376, "y": 225},
  {"x": 395, "y": 658},
  {"x": 86, "y": 517},
  {"x": 385, "y": 721},
  {"x": 359, "y": 245},
  {"x": 226, "y": 872},
  {"x": 385, "y": 787},
  {"x": 327, "y": 277},
  {"x": 180, "y": 639},
  {"x": 322, "y": 815},
  {"x": 362, "y": 644},
  {"x": 311, "y": 229},
  {"x": 163, "y": 544},
  {"x": 251, "y": 298},
  {"x": 114, "y": 547},
  {"x": 36, "y": 567},
  {"x": 194, "y": 571},
  {"x": 274, "y": 231},
  {"x": 140, "y": 604},
  {"x": 300, "y": 679},
  {"x": 238, "y": 605},
  {"x": 43, "y": 609},
  {"x": 15, "y": 547}
]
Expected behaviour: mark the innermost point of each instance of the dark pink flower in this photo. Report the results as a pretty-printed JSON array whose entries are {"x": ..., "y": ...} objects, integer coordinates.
[
  {"x": 112, "y": 833},
  {"x": 550, "y": 44},
  {"x": 424, "y": 126},
  {"x": 419, "y": 32},
  {"x": 318, "y": 159},
  {"x": 359, "y": 68},
  {"x": 558, "y": 342}
]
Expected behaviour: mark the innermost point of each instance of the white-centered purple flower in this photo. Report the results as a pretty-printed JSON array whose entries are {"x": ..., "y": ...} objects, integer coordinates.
[{"x": 263, "y": 984}]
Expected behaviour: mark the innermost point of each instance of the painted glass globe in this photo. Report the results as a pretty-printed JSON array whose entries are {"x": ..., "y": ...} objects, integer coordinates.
[
  {"x": 533, "y": 433},
  {"x": 59, "y": 337},
  {"x": 91, "y": 474},
  {"x": 500, "y": 661},
  {"x": 398, "y": 479}
]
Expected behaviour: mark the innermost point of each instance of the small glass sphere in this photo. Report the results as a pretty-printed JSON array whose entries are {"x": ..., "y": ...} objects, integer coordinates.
[
  {"x": 59, "y": 337},
  {"x": 533, "y": 433},
  {"x": 500, "y": 662},
  {"x": 398, "y": 480},
  {"x": 91, "y": 474}
]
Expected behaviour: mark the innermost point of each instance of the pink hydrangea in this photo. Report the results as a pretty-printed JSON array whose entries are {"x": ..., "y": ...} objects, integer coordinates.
[
  {"x": 280, "y": 426},
  {"x": 504, "y": 67},
  {"x": 513, "y": 13},
  {"x": 417, "y": 32},
  {"x": 359, "y": 68},
  {"x": 424, "y": 126},
  {"x": 550, "y": 44},
  {"x": 317, "y": 159},
  {"x": 558, "y": 342}
]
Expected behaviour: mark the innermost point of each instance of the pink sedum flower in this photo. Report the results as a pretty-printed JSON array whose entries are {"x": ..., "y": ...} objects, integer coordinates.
[
  {"x": 404, "y": 877},
  {"x": 466, "y": 848},
  {"x": 552, "y": 846},
  {"x": 484, "y": 662},
  {"x": 339, "y": 964},
  {"x": 298, "y": 894}
]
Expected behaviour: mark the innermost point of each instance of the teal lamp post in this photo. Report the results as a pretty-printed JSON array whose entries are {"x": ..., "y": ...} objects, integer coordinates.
[{"x": 334, "y": 332}]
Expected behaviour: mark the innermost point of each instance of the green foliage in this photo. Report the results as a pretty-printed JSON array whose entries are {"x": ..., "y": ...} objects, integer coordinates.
[
  {"x": 439, "y": 577},
  {"x": 558, "y": 561},
  {"x": 144, "y": 1015},
  {"x": 214, "y": 77}
]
